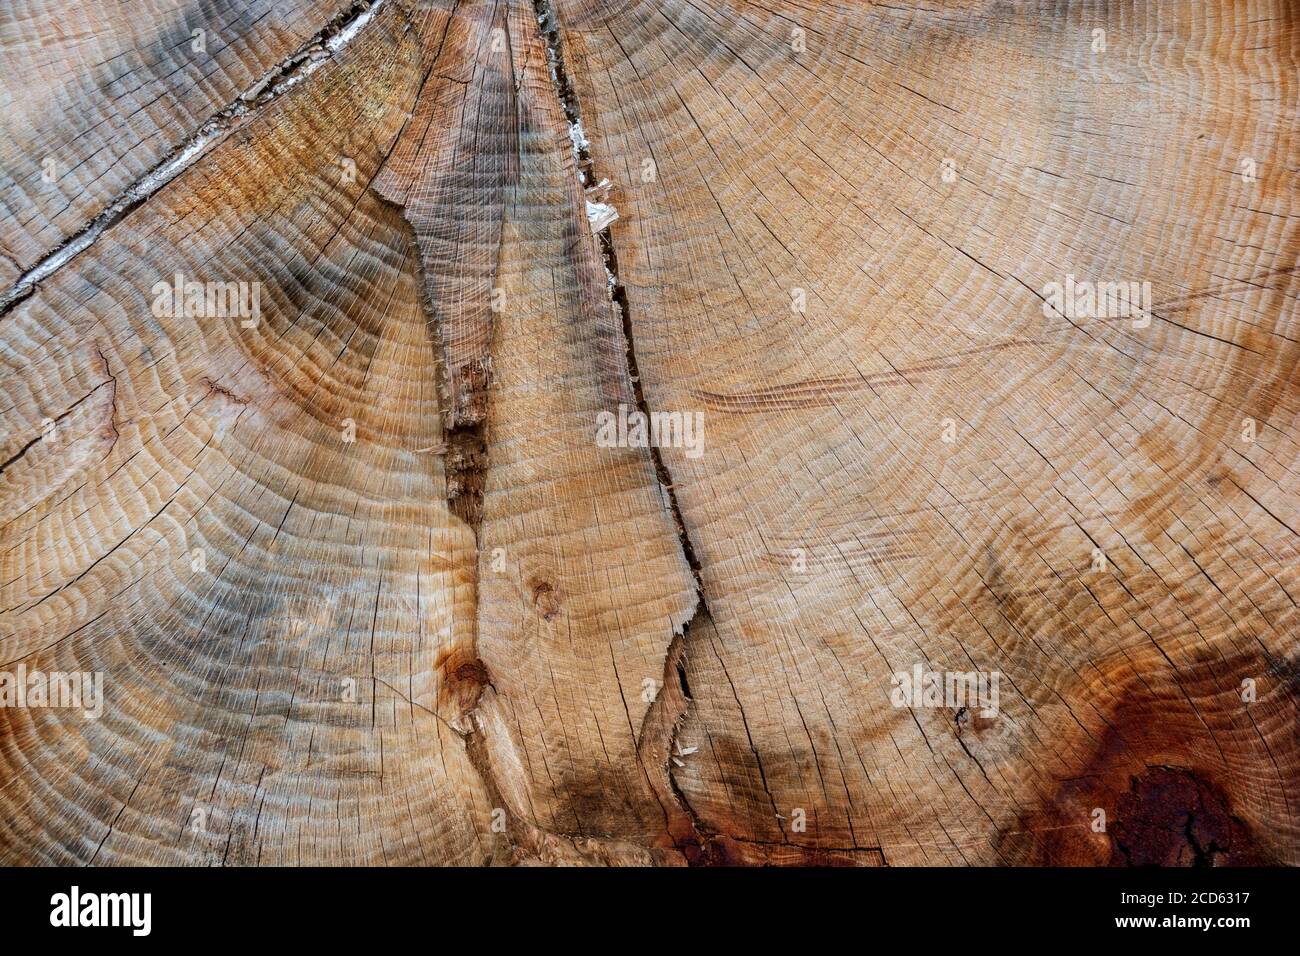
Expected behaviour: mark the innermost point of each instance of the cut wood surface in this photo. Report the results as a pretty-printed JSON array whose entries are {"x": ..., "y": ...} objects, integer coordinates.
[
  {"x": 367, "y": 584},
  {"x": 95, "y": 95}
]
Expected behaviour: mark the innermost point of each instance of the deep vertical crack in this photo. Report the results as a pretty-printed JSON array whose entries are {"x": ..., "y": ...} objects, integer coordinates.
[
  {"x": 696, "y": 846},
  {"x": 548, "y": 22}
]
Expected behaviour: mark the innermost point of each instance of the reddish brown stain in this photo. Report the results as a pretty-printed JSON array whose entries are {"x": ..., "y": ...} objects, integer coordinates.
[
  {"x": 474, "y": 671},
  {"x": 463, "y": 679},
  {"x": 1172, "y": 792},
  {"x": 1171, "y": 817}
]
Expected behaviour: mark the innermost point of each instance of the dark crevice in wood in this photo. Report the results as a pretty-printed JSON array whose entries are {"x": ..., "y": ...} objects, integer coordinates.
[
  {"x": 466, "y": 472},
  {"x": 694, "y": 845},
  {"x": 548, "y": 22}
]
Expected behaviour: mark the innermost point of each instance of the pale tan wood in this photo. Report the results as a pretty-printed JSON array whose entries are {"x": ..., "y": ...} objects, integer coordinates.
[
  {"x": 560, "y": 652},
  {"x": 324, "y": 561},
  {"x": 822, "y": 171}
]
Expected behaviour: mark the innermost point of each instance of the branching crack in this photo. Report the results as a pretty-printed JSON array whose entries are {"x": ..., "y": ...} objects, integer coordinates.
[
  {"x": 28, "y": 446},
  {"x": 310, "y": 57}
]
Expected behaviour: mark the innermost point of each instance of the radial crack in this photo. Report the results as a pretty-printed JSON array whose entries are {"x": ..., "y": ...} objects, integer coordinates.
[
  {"x": 689, "y": 835},
  {"x": 550, "y": 28},
  {"x": 291, "y": 71}
]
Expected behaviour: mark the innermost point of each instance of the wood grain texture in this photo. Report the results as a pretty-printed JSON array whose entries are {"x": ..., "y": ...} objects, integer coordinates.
[
  {"x": 363, "y": 583},
  {"x": 96, "y": 95},
  {"x": 227, "y": 684},
  {"x": 823, "y": 173}
]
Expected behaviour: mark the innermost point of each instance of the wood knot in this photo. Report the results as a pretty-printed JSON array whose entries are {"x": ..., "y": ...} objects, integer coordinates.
[
  {"x": 546, "y": 599},
  {"x": 474, "y": 672}
]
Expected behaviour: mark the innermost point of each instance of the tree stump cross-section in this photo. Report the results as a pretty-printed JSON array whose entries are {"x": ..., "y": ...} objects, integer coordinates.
[{"x": 688, "y": 432}]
